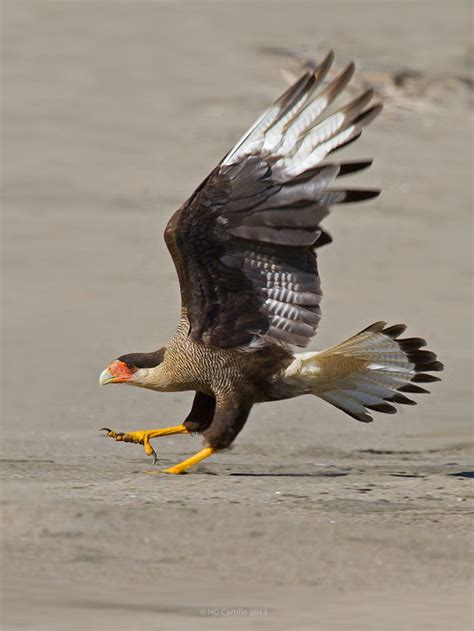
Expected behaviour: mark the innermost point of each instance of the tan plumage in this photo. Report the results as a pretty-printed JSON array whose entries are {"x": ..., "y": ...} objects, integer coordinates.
[{"x": 244, "y": 246}]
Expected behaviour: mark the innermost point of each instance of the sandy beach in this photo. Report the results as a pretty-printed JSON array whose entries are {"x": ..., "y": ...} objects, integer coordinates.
[{"x": 112, "y": 113}]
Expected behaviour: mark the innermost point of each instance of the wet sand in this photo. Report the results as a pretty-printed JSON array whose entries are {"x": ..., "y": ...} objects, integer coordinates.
[{"x": 112, "y": 114}]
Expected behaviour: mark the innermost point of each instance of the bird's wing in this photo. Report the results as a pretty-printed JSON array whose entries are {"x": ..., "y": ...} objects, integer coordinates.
[{"x": 244, "y": 243}]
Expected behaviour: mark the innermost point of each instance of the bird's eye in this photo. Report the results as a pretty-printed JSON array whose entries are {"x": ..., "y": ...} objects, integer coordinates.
[{"x": 129, "y": 365}]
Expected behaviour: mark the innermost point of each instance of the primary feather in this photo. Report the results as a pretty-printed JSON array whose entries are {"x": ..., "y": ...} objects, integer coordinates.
[{"x": 244, "y": 243}]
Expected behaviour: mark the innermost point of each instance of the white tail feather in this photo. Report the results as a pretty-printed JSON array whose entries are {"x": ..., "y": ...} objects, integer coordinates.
[{"x": 366, "y": 372}]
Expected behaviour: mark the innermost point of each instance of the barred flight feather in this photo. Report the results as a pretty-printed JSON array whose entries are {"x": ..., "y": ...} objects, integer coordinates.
[
  {"x": 253, "y": 226},
  {"x": 367, "y": 372}
]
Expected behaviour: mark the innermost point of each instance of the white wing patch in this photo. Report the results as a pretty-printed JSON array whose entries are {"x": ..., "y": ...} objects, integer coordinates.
[{"x": 293, "y": 135}]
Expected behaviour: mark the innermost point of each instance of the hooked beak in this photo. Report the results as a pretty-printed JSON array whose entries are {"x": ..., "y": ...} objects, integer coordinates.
[
  {"x": 106, "y": 377},
  {"x": 117, "y": 372}
]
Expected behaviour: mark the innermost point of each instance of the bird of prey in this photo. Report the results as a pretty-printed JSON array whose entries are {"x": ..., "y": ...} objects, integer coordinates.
[{"x": 245, "y": 249}]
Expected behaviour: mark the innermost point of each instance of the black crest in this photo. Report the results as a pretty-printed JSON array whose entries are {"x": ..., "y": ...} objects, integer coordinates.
[{"x": 144, "y": 360}]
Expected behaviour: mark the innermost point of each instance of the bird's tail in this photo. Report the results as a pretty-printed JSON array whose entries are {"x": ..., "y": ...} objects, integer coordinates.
[{"x": 369, "y": 371}]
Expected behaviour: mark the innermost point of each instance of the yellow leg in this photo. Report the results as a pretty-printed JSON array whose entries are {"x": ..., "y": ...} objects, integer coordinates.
[
  {"x": 182, "y": 466},
  {"x": 143, "y": 436}
]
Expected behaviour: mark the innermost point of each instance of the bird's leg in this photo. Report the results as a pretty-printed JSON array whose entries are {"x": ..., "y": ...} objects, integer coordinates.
[
  {"x": 229, "y": 418},
  {"x": 143, "y": 437},
  {"x": 197, "y": 420},
  {"x": 189, "y": 462}
]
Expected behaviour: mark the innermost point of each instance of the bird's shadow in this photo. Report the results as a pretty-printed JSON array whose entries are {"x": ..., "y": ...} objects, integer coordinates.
[
  {"x": 290, "y": 475},
  {"x": 463, "y": 474}
]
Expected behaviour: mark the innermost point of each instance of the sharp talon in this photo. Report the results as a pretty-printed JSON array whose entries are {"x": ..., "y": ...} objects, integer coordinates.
[{"x": 143, "y": 436}]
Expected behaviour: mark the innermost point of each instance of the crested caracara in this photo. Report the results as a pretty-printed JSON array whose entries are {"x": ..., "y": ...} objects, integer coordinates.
[{"x": 245, "y": 250}]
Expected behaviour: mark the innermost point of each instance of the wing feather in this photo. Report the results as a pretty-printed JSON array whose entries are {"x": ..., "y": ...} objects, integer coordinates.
[{"x": 244, "y": 243}]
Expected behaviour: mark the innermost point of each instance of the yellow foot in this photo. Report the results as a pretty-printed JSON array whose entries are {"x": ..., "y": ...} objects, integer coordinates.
[
  {"x": 143, "y": 437},
  {"x": 182, "y": 466}
]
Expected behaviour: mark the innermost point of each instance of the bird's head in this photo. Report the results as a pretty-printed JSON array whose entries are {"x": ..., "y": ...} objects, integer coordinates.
[{"x": 136, "y": 369}]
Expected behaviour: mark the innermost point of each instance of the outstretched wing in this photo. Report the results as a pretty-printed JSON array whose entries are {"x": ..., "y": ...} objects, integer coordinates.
[{"x": 244, "y": 243}]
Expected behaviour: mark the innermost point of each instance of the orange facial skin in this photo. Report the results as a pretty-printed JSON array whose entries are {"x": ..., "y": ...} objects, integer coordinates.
[{"x": 120, "y": 371}]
